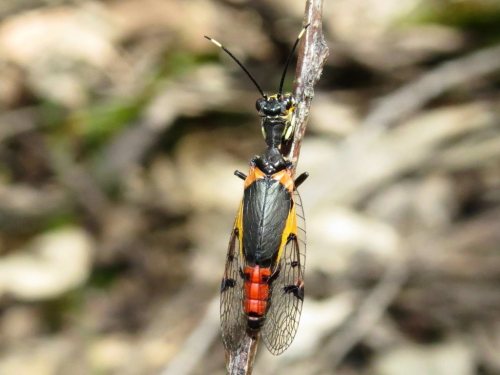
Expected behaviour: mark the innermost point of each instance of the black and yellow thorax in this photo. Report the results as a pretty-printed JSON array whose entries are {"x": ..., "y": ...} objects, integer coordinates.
[{"x": 276, "y": 112}]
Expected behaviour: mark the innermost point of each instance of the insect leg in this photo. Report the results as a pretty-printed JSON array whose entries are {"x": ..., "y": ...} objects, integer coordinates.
[
  {"x": 240, "y": 175},
  {"x": 275, "y": 274},
  {"x": 299, "y": 180},
  {"x": 296, "y": 290}
]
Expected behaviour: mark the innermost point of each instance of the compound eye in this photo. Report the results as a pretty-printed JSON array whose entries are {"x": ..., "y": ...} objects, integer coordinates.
[
  {"x": 289, "y": 102},
  {"x": 259, "y": 104}
]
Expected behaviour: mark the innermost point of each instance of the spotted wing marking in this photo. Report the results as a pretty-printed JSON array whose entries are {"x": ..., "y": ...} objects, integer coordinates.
[{"x": 287, "y": 290}]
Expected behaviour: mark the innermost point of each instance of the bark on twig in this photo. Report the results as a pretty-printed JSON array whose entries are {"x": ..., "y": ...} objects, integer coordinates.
[
  {"x": 313, "y": 53},
  {"x": 241, "y": 361},
  {"x": 311, "y": 58}
]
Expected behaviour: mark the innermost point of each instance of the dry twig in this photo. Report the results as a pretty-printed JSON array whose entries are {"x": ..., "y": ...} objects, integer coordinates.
[
  {"x": 311, "y": 58},
  {"x": 313, "y": 53}
]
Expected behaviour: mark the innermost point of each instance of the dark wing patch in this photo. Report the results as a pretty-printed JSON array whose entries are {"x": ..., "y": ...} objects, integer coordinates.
[
  {"x": 266, "y": 204},
  {"x": 233, "y": 319},
  {"x": 287, "y": 290}
]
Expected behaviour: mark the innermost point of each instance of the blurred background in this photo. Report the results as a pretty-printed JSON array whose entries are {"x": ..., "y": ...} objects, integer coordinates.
[{"x": 120, "y": 129}]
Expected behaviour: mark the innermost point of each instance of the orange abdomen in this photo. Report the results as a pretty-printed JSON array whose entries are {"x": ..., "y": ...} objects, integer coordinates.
[{"x": 256, "y": 290}]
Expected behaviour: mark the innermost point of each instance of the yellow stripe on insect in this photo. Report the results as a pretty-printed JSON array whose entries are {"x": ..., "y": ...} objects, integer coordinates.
[
  {"x": 288, "y": 132},
  {"x": 290, "y": 228},
  {"x": 239, "y": 224}
]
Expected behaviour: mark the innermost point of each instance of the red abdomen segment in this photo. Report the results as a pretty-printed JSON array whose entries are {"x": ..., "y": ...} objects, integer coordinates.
[{"x": 256, "y": 294}]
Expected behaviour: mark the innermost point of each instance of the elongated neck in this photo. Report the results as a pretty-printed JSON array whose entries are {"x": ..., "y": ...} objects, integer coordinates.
[{"x": 273, "y": 130}]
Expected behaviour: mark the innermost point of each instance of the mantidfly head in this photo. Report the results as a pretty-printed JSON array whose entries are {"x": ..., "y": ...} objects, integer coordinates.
[{"x": 277, "y": 107}]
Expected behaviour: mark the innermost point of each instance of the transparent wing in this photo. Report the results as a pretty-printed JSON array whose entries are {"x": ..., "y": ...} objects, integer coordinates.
[
  {"x": 301, "y": 229},
  {"x": 287, "y": 290},
  {"x": 233, "y": 320}
]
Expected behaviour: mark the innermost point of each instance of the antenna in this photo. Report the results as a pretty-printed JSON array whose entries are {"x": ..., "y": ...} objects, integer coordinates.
[
  {"x": 237, "y": 62},
  {"x": 290, "y": 58}
]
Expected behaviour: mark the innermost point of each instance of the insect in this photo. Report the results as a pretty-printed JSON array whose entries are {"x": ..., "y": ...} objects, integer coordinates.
[{"x": 262, "y": 289}]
